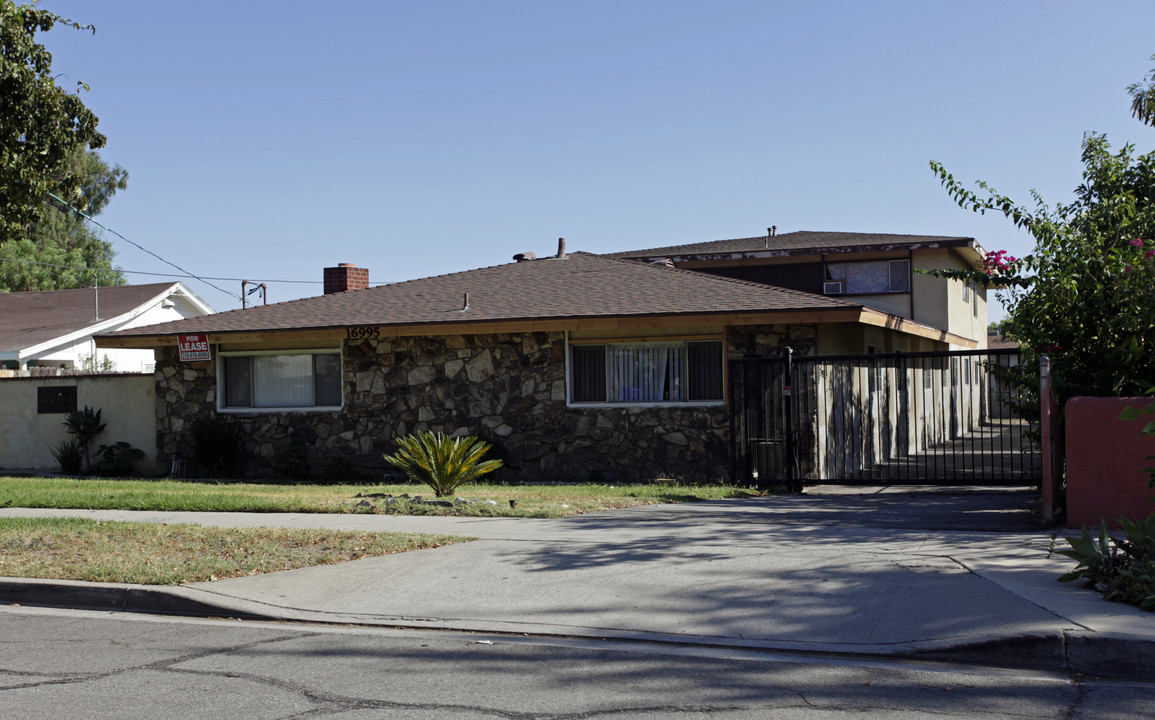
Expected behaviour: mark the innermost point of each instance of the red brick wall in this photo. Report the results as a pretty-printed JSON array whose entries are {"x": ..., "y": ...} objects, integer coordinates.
[{"x": 345, "y": 276}]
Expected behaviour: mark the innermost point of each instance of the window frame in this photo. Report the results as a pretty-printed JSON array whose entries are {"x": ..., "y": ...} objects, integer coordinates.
[
  {"x": 607, "y": 374},
  {"x": 893, "y": 273},
  {"x": 222, "y": 381}
]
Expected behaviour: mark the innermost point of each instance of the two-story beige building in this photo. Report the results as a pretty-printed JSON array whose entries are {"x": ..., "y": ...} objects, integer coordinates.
[{"x": 880, "y": 271}]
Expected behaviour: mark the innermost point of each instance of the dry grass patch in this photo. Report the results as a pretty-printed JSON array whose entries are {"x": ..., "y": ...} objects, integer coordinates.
[
  {"x": 490, "y": 500},
  {"x": 148, "y": 554}
]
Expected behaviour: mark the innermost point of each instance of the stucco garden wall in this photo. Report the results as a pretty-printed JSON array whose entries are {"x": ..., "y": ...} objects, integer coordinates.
[
  {"x": 508, "y": 388},
  {"x": 1105, "y": 461},
  {"x": 27, "y": 437}
]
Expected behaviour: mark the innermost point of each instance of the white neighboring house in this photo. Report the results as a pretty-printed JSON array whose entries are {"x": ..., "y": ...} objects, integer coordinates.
[{"x": 55, "y": 328}]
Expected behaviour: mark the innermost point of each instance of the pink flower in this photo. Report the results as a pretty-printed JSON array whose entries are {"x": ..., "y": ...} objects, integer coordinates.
[
  {"x": 1137, "y": 242},
  {"x": 1149, "y": 254},
  {"x": 998, "y": 260},
  {"x": 1127, "y": 270}
]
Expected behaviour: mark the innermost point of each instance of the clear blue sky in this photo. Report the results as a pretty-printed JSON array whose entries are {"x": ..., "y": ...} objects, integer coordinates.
[{"x": 267, "y": 140}]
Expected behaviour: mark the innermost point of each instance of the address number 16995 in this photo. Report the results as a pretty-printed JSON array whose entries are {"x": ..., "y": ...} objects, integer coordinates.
[{"x": 363, "y": 331}]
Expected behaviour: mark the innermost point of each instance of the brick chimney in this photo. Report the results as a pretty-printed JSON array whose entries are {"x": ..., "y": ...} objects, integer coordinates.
[{"x": 346, "y": 276}]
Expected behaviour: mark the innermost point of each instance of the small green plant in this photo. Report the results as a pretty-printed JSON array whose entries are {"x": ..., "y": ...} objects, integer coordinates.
[
  {"x": 338, "y": 469},
  {"x": 1136, "y": 583},
  {"x": 441, "y": 462},
  {"x": 1123, "y": 569},
  {"x": 118, "y": 459},
  {"x": 90, "y": 363},
  {"x": 70, "y": 455},
  {"x": 291, "y": 459},
  {"x": 1098, "y": 558},
  {"x": 216, "y": 446},
  {"x": 84, "y": 425}
]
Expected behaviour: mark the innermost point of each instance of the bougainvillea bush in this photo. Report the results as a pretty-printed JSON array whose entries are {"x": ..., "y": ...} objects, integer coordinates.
[{"x": 1085, "y": 296}]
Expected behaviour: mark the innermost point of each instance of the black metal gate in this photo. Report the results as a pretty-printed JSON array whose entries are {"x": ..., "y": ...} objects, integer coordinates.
[{"x": 904, "y": 418}]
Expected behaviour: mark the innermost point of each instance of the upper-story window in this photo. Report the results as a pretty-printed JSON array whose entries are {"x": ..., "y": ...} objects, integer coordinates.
[
  {"x": 288, "y": 380},
  {"x": 871, "y": 277},
  {"x": 646, "y": 372}
]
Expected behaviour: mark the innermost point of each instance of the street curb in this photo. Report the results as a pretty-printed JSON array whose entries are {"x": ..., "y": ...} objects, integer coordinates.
[
  {"x": 1116, "y": 656},
  {"x": 1109, "y": 656},
  {"x": 117, "y": 597}
]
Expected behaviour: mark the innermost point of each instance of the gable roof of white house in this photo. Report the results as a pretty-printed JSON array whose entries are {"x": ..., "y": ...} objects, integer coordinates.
[{"x": 33, "y": 323}]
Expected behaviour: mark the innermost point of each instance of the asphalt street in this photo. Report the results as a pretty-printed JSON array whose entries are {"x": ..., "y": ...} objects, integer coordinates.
[
  {"x": 869, "y": 574},
  {"x": 63, "y": 663}
]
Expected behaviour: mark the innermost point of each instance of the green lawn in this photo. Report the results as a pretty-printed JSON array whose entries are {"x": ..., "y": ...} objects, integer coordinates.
[
  {"x": 490, "y": 500},
  {"x": 154, "y": 554}
]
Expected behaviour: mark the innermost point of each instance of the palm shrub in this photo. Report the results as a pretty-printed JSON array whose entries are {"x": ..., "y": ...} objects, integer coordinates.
[
  {"x": 443, "y": 463},
  {"x": 84, "y": 425}
]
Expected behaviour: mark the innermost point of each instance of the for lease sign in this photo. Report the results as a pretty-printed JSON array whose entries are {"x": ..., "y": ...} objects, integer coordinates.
[{"x": 193, "y": 347}]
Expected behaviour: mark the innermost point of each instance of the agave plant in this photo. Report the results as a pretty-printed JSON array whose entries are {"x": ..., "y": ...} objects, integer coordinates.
[{"x": 442, "y": 462}]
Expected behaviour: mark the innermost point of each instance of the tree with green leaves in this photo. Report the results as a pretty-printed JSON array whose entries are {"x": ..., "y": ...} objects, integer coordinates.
[
  {"x": 1143, "y": 98},
  {"x": 63, "y": 239},
  {"x": 43, "y": 127},
  {"x": 1086, "y": 295}
]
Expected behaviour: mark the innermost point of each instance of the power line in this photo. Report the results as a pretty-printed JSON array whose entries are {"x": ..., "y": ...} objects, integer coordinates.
[
  {"x": 156, "y": 274},
  {"x": 150, "y": 252},
  {"x": 172, "y": 275}
]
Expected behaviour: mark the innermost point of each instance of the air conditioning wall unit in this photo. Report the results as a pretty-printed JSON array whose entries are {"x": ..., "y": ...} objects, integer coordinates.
[{"x": 832, "y": 287}]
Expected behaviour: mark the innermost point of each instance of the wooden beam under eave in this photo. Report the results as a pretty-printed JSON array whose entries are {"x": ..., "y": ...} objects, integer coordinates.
[
  {"x": 151, "y": 341},
  {"x": 910, "y": 327}
]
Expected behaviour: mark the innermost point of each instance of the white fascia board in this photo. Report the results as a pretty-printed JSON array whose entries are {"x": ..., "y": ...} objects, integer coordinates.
[
  {"x": 99, "y": 327},
  {"x": 196, "y": 301}
]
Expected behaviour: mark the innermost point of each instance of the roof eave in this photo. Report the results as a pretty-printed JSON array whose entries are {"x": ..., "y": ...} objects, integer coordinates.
[
  {"x": 961, "y": 243},
  {"x": 850, "y": 313}
]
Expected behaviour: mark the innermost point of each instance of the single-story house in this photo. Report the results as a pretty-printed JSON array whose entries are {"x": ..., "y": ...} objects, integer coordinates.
[
  {"x": 875, "y": 269},
  {"x": 576, "y": 366},
  {"x": 55, "y": 328}
]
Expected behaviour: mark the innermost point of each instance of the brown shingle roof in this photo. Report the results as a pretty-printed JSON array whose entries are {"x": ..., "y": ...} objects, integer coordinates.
[
  {"x": 803, "y": 242},
  {"x": 577, "y": 286},
  {"x": 30, "y": 318}
]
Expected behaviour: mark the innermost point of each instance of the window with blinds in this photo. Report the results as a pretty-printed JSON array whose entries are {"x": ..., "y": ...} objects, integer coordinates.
[
  {"x": 646, "y": 372},
  {"x": 274, "y": 381}
]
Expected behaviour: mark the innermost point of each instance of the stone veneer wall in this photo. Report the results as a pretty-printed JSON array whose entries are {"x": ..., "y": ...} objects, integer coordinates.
[{"x": 507, "y": 388}]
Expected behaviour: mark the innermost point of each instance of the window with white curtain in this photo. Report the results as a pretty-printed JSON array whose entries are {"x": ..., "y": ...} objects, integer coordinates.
[
  {"x": 871, "y": 277},
  {"x": 281, "y": 380},
  {"x": 646, "y": 372}
]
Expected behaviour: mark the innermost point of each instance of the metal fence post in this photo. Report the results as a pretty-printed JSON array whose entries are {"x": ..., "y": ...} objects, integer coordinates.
[
  {"x": 1046, "y": 407},
  {"x": 794, "y": 483}
]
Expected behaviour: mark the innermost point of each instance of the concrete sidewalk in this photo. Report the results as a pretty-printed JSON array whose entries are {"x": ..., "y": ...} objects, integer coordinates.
[{"x": 791, "y": 573}]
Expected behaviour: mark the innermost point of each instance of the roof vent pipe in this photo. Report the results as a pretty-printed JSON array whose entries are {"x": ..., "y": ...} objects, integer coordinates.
[
  {"x": 561, "y": 247},
  {"x": 465, "y": 304}
]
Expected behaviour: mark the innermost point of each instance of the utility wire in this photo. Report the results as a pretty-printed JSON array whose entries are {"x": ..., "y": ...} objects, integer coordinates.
[
  {"x": 156, "y": 274},
  {"x": 150, "y": 252},
  {"x": 81, "y": 267}
]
